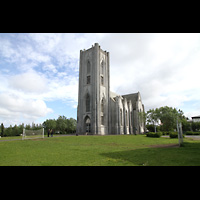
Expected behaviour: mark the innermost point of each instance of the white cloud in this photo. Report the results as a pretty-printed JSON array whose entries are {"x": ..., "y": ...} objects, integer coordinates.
[
  {"x": 18, "y": 110},
  {"x": 163, "y": 67},
  {"x": 30, "y": 82}
]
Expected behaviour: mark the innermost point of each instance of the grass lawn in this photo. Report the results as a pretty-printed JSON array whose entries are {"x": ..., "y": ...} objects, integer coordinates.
[{"x": 116, "y": 150}]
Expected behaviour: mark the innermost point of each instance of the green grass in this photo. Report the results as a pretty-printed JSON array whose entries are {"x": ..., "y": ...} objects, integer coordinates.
[{"x": 118, "y": 150}]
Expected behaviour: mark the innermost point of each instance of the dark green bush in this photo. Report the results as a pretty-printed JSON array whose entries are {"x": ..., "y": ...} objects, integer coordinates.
[
  {"x": 152, "y": 134},
  {"x": 192, "y": 133},
  {"x": 173, "y": 135}
]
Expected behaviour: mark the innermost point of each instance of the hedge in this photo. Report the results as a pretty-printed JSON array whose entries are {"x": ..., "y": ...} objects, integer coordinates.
[
  {"x": 173, "y": 134},
  {"x": 152, "y": 134},
  {"x": 191, "y": 133}
]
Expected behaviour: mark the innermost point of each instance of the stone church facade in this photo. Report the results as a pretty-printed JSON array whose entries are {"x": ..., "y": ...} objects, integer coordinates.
[{"x": 101, "y": 111}]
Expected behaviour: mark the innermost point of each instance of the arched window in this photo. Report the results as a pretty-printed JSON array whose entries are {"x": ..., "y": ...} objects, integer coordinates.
[
  {"x": 102, "y": 67},
  {"x": 87, "y": 124},
  {"x": 88, "y": 67},
  {"x": 87, "y": 103},
  {"x": 102, "y": 112}
]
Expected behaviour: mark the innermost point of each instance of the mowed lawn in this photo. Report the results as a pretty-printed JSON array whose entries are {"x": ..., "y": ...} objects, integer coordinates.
[{"x": 116, "y": 150}]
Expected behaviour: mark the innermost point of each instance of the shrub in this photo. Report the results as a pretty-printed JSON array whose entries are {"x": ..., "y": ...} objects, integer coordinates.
[
  {"x": 192, "y": 133},
  {"x": 173, "y": 134},
  {"x": 152, "y": 134}
]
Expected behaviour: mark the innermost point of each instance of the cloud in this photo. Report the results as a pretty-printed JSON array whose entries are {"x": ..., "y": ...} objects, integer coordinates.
[
  {"x": 163, "y": 67},
  {"x": 30, "y": 82},
  {"x": 16, "y": 110}
]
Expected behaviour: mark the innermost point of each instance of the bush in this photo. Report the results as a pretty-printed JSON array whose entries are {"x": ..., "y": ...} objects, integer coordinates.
[
  {"x": 152, "y": 134},
  {"x": 173, "y": 134},
  {"x": 192, "y": 133}
]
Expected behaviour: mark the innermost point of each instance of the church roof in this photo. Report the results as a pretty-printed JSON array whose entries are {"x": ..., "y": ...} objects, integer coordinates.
[
  {"x": 133, "y": 97},
  {"x": 196, "y": 116}
]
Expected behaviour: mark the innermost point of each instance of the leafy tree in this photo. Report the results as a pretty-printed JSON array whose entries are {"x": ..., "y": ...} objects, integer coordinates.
[
  {"x": 50, "y": 124},
  {"x": 152, "y": 117},
  {"x": 195, "y": 126},
  {"x": 167, "y": 115},
  {"x": 61, "y": 123},
  {"x": 71, "y": 125}
]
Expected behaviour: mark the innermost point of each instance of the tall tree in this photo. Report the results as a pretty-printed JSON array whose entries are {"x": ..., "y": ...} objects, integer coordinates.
[{"x": 152, "y": 117}]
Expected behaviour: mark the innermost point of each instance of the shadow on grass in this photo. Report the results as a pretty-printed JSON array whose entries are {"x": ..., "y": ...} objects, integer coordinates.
[{"x": 188, "y": 155}]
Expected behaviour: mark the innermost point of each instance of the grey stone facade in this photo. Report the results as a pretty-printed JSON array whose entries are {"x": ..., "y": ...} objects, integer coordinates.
[{"x": 101, "y": 111}]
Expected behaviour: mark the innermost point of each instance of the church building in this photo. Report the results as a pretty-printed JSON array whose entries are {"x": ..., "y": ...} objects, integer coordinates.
[{"x": 101, "y": 111}]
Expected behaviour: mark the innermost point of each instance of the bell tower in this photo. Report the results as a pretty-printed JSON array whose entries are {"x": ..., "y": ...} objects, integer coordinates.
[{"x": 94, "y": 91}]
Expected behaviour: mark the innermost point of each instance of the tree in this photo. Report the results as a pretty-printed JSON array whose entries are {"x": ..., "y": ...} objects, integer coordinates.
[
  {"x": 71, "y": 125},
  {"x": 61, "y": 123},
  {"x": 152, "y": 117},
  {"x": 167, "y": 115},
  {"x": 50, "y": 124}
]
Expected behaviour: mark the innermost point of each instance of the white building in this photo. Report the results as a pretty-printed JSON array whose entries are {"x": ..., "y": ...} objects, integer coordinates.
[{"x": 196, "y": 119}]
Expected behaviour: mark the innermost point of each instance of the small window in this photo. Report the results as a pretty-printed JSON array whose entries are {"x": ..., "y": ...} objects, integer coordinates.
[
  {"x": 102, "y": 80},
  {"x": 102, "y": 120},
  {"x": 88, "y": 67},
  {"x": 88, "y": 79},
  {"x": 102, "y": 67}
]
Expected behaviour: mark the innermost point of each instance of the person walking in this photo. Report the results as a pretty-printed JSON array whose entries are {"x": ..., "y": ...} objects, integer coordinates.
[
  {"x": 51, "y": 132},
  {"x": 48, "y": 132}
]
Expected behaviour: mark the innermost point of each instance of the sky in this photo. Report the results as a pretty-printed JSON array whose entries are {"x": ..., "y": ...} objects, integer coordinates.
[{"x": 39, "y": 72}]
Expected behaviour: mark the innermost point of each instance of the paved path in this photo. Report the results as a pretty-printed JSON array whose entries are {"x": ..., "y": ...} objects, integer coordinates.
[
  {"x": 187, "y": 136},
  {"x": 2, "y": 140}
]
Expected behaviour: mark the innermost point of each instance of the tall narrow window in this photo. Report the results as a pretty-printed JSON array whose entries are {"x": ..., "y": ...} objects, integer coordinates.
[
  {"x": 87, "y": 103},
  {"x": 102, "y": 112},
  {"x": 88, "y": 67},
  {"x": 126, "y": 118},
  {"x": 102, "y": 106},
  {"x": 121, "y": 117},
  {"x": 88, "y": 79},
  {"x": 102, "y": 80},
  {"x": 102, "y": 67}
]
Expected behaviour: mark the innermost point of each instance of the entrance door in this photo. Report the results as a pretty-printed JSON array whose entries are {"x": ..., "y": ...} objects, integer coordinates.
[{"x": 87, "y": 124}]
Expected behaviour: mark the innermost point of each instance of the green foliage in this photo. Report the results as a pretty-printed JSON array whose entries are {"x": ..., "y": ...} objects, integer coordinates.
[
  {"x": 61, "y": 125},
  {"x": 168, "y": 117},
  {"x": 195, "y": 126},
  {"x": 192, "y": 133},
  {"x": 152, "y": 134},
  {"x": 173, "y": 134},
  {"x": 50, "y": 124}
]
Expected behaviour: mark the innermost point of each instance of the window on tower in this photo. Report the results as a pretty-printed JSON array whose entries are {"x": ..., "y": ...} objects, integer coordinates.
[
  {"x": 87, "y": 103},
  {"x": 102, "y": 81},
  {"x": 88, "y": 79},
  {"x": 88, "y": 67},
  {"x": 102, "y": 67}
]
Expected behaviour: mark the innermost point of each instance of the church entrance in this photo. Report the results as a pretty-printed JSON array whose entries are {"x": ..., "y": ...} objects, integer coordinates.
[{"x": 87, "y": 125}]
